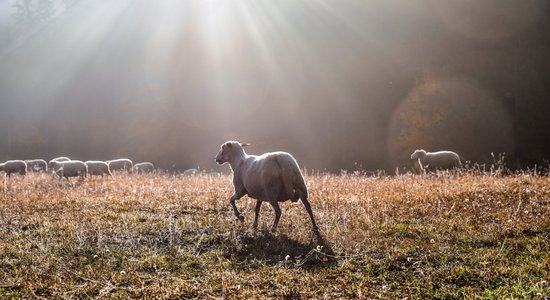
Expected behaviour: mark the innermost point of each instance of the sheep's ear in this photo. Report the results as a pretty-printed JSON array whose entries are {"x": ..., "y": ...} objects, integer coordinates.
[{"x": 245, "y": 144}]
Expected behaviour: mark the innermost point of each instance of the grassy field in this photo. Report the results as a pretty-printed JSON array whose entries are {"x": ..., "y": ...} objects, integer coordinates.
[{"x": 412, "y": 236}]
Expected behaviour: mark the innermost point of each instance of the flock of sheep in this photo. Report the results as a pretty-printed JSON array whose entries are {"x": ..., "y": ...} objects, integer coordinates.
[
  {"x": 271, "y": 177},
  {"x": 65, "y": 167}
]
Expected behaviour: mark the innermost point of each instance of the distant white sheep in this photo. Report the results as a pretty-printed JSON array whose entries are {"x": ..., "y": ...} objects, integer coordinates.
[
  {"x": 143, "y": 167},
  {"x": 36, "y": 165},
  {"x": 57, "y": 159},
  {"x": 97, "y": 167},
  {"x": 71, "y": 168},
  {"x": 190, "y": 172},
  {"x": 120, "y": 164},
  {"x": 273, "y": 177},
  {"x": 14, "y": 166},
  {"x": 441, "y": 160}
]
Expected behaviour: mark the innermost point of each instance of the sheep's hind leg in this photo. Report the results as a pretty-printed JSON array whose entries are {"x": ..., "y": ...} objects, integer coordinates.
[
  {"x": 257, "y": 213},
  {"x": 310, "y": 212},
  {"x": 234, "y": 206},
  {"x": 277, "y": 210}
]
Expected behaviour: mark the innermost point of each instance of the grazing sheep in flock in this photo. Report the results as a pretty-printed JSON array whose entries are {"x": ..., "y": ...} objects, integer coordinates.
[
  {"x": 71, "y": 168},
  {"x": 14, "y": 166},
  {"x": 190, "y": 172},
  {"x": 444, "y": 160},
  {"x": 273, "y": 177},
  {"x": 144, "y": 167},
  {"x": 96, "y": 167},
  {"x": 36, "y": 165},
  {"x": 120, "y": 164},
  {"x": 51, "y": 163}
]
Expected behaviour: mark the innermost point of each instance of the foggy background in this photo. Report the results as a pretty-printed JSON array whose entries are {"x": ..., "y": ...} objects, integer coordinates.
[{"x": 339, "y": 84}]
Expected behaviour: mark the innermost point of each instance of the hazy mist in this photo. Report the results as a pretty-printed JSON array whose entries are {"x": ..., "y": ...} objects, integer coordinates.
[{"x": 339, "y": 84}]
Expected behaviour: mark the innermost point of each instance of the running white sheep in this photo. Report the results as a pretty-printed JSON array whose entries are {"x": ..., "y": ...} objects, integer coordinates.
[
  {"x": 143, "y": 167},
  {"x": 14, "y": 166},
  {"x": 120, "y": 164},
  {"x": 441, "y": 160},
  {"x": 272, "y": 177},
  {"x": 97, "y": 167},
  {"x": 71, "y": 168},
  {"x": 36, "y": 165}
]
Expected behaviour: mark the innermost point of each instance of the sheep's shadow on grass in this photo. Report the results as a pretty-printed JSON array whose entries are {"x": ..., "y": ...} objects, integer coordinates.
[{"x": 282, "y": 250}]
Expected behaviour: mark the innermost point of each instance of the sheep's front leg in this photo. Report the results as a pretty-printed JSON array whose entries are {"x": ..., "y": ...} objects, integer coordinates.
[
  {"x": 256, "y": 214},
  {"x": 234, "y": 206},
  {"x": 277, "y": 210}
]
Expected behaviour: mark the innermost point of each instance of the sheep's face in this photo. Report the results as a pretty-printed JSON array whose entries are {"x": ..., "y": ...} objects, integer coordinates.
[
  {"x": 57, "y": 166},
  {"x": 59, "y": 171},
  {"x": 228, "y": 150},
  {"x": 418, "y": 154}
]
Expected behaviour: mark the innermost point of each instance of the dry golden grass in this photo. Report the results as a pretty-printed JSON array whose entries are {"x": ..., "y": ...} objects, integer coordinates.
[{"x": 158, "y": 236}]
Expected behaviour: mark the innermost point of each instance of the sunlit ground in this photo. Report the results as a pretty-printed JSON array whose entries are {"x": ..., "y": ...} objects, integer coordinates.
[{"x": 381, "y": 237}]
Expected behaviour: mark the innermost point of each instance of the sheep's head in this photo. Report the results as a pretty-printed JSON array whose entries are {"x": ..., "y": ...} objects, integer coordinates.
[
  {"x": 229, "y": 150},
  {"x": 418, "y": 154},
  {"x": 59, "y": 171},
  {"x": 56, "y": 166}
]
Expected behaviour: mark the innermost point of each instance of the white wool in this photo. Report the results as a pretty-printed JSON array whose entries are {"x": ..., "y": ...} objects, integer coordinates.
[
  {"x": 272, "y": 177},
  {"x": 444, "y": 160},
  {"x": 14, "y": 166},
  {"x": 36, "y": 165},
  {"x": 144, "y": 167},
  {"x": 51, "y": 163},
  {"x": 120, "y": 164},
  {"x": 190, "y": 172},
  {"x": 71, "y": 168},
  {"x": 97, "y": 167}
]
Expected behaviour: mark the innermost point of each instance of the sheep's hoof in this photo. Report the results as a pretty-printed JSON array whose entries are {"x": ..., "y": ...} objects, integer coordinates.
[{"x": 240, "y": 218}]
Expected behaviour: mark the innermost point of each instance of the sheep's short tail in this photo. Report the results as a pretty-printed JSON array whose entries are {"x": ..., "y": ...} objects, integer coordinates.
[
  {"x": 295, "y": 196},
  {"x": 292, "y": 190}
]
